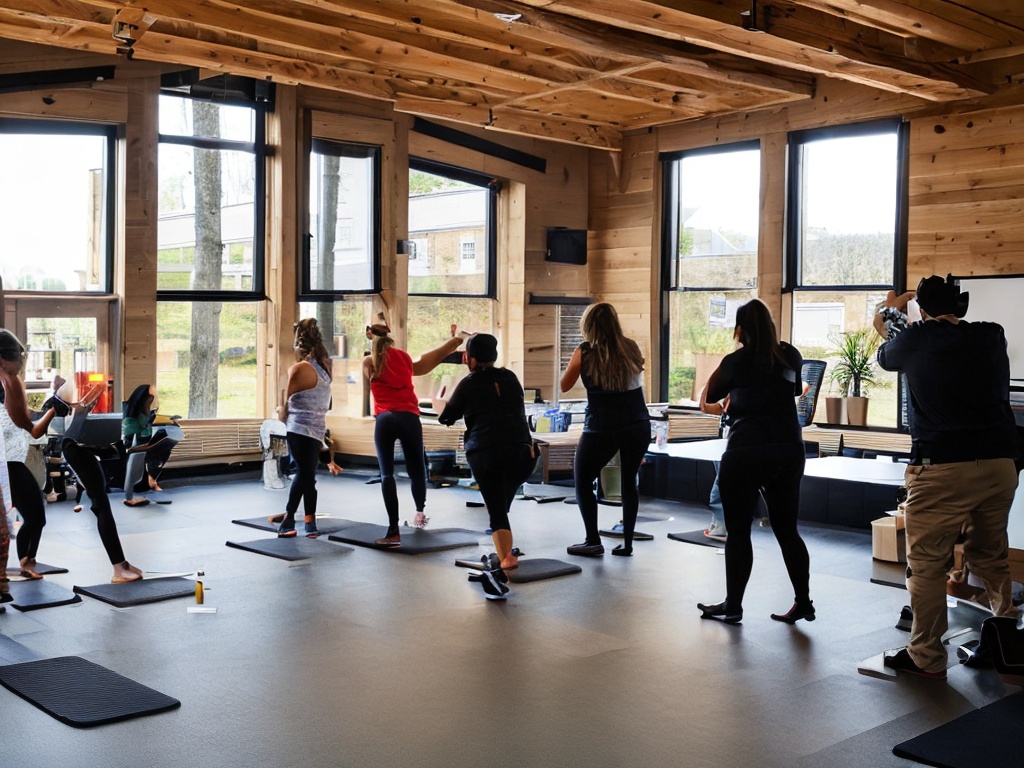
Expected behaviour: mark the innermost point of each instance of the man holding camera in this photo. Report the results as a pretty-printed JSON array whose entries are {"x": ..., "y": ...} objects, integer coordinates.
[{"x": 962, "y": 475}]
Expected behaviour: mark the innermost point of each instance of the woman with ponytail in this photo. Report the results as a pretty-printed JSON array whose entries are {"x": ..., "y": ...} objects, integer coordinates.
[
  {"x": 307, "y": 400},
  {"x": 617, "y": 420},
  {"x": 397, "y": 412},
  {"x": 763, "y": 458}
]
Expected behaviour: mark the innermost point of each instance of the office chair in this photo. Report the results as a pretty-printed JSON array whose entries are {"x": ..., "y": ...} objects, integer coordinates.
[{"x": 813, "y": 373}]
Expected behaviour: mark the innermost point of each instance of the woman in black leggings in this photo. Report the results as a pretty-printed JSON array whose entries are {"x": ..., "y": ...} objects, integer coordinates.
[
  {"x": 17, "y": 425},
  {"x": 763, "y": 458},
  {"x": 85, "y": 463},
  {"x": 397, "y": 410},
  {"x": 498, "y": 446},
  {"x": 617, "y": 421}
]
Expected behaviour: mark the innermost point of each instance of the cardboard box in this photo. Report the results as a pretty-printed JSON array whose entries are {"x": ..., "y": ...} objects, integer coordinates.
[
  {"x": 1016, "y": 559},
  {"x": 889, "y": 539}
]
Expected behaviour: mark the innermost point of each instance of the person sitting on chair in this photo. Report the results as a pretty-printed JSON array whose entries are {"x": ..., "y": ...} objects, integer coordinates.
[{"x": 147, "y": 450}]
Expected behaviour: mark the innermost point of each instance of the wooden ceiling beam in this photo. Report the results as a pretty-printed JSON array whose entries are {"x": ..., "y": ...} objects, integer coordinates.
[
  {"x": 515, "y": 121},
  {"x": 571, "y": 33},
  {"x": 706, "y": 24},
  {"x": 952, "y": 24}
]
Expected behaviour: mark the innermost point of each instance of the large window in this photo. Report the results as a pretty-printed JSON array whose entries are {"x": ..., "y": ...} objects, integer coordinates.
[
  {"x": 342, "y": 254},
  {"x": 56, "y": 205},
  {"x": 203, "y": 373},
  {"x": 846, "y": 245},
  {"x": 452, "y": 227},
  {"x": 210, "y": 234},
  {"x": 710, "y": 266}
]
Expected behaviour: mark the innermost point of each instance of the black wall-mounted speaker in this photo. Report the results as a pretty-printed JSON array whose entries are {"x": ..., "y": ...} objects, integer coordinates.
[{"x": 567, "y": 246}]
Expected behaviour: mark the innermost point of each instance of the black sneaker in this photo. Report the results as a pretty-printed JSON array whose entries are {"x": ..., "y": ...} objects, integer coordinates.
[
  {"x": 906, "y": 619},
  {"x": 586, "y": 550},
  {"x": 719, "y": 612},
  {"x": 493, "y": 589},
  {"x": 286, "y": 529},
  {"x": 901, "y": 662}
]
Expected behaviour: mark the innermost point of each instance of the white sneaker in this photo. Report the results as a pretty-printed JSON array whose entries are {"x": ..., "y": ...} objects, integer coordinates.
[{"x": 420, "y": 520}]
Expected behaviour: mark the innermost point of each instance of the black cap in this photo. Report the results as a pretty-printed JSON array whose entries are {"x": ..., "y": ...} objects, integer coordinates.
[
  {"x": 483, "y": 347},
  {"x": 938, "y": 296}
]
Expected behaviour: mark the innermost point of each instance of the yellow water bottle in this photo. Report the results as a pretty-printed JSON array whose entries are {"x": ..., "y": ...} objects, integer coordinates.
[{"x": 199, "y": 586}]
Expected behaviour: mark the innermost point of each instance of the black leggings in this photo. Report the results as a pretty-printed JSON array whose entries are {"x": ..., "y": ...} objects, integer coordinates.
[
  {"x": 595, "y": 450},
  {"x": 405, "y": 428},
  {"x": 499, "y": 470},
  {"x": 774, "y": 472},
  {"x": 26, "y": 496},
  {"x": 86, "y": 465},
  {"x": 305, "y": 452}
]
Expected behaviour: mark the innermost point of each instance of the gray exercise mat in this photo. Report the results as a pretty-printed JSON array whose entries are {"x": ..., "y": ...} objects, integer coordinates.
[
  {"x": 541, "y": 568},
  {"x": 534, "y": 569},
  {"x": 140, "y": 592},
  {"x": 41, "y": 568},
  {"x": 697, "y": 537},
  {"x": 324, "y": 524},
  {"x": 80, "y": 693},
  {"x": 415, "y": 541},
  {"x": 33, "y": 594},
  {"x": 294, "y": 548}
]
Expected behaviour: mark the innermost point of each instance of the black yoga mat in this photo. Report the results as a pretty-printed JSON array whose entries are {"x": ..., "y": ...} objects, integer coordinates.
[
  {"x": 543, "y": 493},
  {"x": 616, "y": 532},
  {"x": 13, "y": 652},
  {"x": 889, "y": 574},
  {"x": 41, "y": 568},
  {"x": 324, "y": 524},
  {"x": 140, "y": 592},
  {"x": 80, "y": 693},
  {"x": 415, "y": 541},
  {"x": 295, "y": 548},
  {"x": 534, "y": 569},
  {"x": 33, "y": 594},
  {"x": 984, "y": 738},
  {"x": 697, "y": 537}
]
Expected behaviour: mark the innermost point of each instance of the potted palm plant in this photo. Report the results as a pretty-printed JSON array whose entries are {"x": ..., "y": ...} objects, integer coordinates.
[{"x": 855, "y": 369}]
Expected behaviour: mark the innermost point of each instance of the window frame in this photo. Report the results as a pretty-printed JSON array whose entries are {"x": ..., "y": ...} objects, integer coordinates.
[
  {"x": 670, "y": 243},
  {"x": 319, "y": 295},
  {"x": 258, "y": 148},
  {"x": 111, "y": 133},
  {"x": 493, "y": 187},
  {"x": 792, "y": 273}
]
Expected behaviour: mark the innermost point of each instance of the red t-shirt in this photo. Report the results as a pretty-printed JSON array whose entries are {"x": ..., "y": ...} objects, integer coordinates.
[{"x": 392, "y": 390}]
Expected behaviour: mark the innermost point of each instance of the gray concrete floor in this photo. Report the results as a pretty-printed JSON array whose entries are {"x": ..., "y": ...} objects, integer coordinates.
[{"x": 371, "y": 658}]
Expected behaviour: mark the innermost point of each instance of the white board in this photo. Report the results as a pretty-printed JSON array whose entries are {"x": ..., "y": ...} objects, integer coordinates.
[{"x": 1000, "y": 300}]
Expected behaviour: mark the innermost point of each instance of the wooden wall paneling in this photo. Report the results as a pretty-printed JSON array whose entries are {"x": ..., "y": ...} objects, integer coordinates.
[
  {"x": 966, "y": 191},
  {"x": 771, "y": 230},
  {"x": 287, "y": 165},
  {"x": 512, "y": 277},
  {"x": 136, "y": 255}
]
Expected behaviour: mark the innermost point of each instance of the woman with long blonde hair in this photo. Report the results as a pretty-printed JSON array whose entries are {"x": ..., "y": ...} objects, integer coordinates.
[
  {"x": 617, "y": 421},
  {"x": 396, "y": 410}
]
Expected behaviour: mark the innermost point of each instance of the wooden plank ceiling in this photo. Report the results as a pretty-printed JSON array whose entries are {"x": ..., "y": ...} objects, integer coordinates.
[{"x": 581, "y": 71}]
